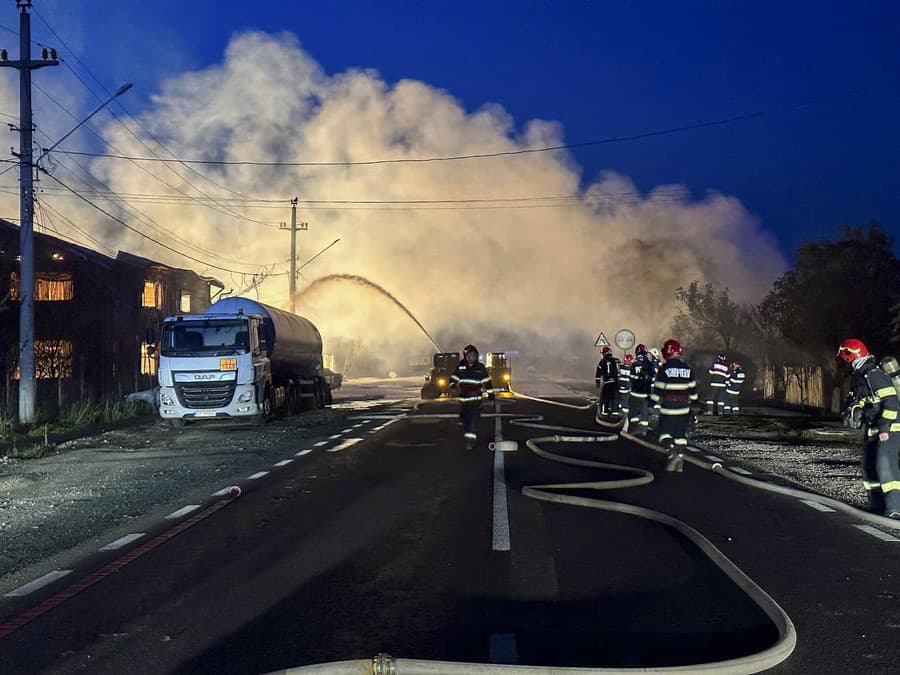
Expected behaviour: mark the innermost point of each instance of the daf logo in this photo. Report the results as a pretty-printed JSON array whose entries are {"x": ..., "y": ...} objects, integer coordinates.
[{"x": 209, "y": 376}]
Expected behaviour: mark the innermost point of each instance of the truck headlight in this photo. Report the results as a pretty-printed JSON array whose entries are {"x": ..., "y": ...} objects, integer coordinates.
[
  {"x": 442, "y": 382},
  {"x": 165, "y": 399},
  {"x": 246, "y": 396},
  {"x": 506, "y": 377}
]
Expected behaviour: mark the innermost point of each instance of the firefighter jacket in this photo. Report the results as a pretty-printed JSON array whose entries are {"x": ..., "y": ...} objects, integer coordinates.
[
  {"x": 624, "y": 378},
  {"x": 643, "y": 371},
  {"x": 875, "y": 392},
  {"x": 675, "y": 388},
  {"x": 607, "y": 370},
  {"x": 718, "y": 374},
  {"x": 473, "y": 381},
  {"x": 736, "y": 381}
]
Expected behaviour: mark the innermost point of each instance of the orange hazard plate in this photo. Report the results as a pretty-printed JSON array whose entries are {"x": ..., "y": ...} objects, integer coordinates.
[{"x": 227, "y": 364}]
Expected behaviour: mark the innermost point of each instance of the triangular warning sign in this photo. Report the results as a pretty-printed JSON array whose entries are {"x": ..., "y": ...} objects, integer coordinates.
[{"x": 601, "y": 341}]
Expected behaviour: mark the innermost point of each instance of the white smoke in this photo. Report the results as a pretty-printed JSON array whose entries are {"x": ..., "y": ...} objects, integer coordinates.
[{"x": 545, "y": 275}]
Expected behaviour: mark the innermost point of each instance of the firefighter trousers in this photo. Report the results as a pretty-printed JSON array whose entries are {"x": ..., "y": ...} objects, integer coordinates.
[
  {"x": 673, "y": 429},
  {"x": 716, "y": 399},
  {"x": 469, "y": 414},
  {"x": 608, "y": 396},
  {"x": 881, "y": 474},
  {"x": 638, "y": 413}
]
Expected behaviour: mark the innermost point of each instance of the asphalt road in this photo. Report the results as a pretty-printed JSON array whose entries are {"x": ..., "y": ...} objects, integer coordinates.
[{"x": 387, "y": 544}]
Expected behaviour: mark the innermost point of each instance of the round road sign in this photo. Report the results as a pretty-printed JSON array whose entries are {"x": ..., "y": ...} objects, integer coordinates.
[{"x": 624, "y": 339}]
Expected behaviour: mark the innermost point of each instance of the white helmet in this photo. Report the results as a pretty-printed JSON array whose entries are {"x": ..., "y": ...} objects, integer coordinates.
[{"x": 656, "y": 353}]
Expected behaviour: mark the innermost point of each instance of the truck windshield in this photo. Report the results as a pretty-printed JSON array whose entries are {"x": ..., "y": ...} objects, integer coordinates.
[{"x": 185, "y": 338}]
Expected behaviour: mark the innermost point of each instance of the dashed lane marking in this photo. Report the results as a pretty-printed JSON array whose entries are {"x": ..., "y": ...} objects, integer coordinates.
[
  {"x": 346, "y": 444},
  {"x": 714, "y": 458},
  {"x": 183, "y": 511},
  {"x": 320, "y": 444},
  {"x": 335, "y": 437},
  {"x": 303, "y": 453},
  {"x": 38, "y": 583},
  {"x": 347, "y": 431},
  {"x": 740, "y": 470},
  {"x": 817, "y": 506},
  {"x": 122, "y": 541},
  {"x": 258, "y": 474},
  {"x": 283, "y": 462},
  {"x": 875, "y": 532}
]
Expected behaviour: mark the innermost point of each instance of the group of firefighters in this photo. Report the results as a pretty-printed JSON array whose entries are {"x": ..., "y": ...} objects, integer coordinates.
[{"x": 663, "y": 381}]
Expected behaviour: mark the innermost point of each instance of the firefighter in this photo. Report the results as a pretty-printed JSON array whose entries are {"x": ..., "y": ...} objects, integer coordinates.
[
  {"x": 473, "y": 381},
  {"x": 625, "y": 384},
  {"x": 607, "y": 379},
  {"x": 643, "y": 372},
  {"x": 736, "y": 377},
  {"x": 674, "y": 391},
  {"x": 875, "y": 404},
  {"x": 718, "y": 383}
]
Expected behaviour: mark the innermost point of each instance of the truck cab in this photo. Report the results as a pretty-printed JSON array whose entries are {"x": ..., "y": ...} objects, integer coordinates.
[
  {"x": 437, "y": 381},
  {"x": 214, "y": 365},
  {"x": 498, "y": 367}
]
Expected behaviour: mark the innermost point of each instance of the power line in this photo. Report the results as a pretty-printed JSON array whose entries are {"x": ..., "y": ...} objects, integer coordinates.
[{"x": 138, "y": 232}]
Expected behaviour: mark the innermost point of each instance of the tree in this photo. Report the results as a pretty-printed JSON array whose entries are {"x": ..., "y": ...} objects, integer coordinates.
[
  {"x": 709, "y": 317},
  {"x": 838, "y": 289}
]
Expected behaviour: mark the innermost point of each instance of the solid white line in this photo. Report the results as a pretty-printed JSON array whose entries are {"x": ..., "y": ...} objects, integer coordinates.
[
  {"x": 283, "y": 462},
  {"x": 183, "y": 511},
  {"x": 320, "y": 444},
  {"x": 258, "y": 474},
  {"x": 40, "y": 582},
  {"x": 501, "y": 512},
  {"x": 335, "y": 437},
  {"x": 346, "y": 444},
  {"x": 221, "y": 493},
  {"x": 302, "y": 453},
  {"x": 868, "y": 529},
  {"x": 122, "y": 541},
  {"x": 740, "y": 470},
  {"x": 817, "y": 506}
]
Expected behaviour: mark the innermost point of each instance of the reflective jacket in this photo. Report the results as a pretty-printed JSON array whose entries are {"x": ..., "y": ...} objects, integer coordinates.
[
  {"x": 473, "y": 381},
  {"x": 624, "y": 378},
  {"x": 876, "y": 394},
  {"x": 736, "y": 381},
  {"x": 718, "y": 374},
  {"x": 607, "y": 370},
  {"x": 675, "y": 388},
  {"x": 643, "y": 370}
]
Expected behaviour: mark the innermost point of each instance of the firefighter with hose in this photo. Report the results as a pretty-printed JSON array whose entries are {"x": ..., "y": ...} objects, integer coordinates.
[{"x": 473, "y": 382}]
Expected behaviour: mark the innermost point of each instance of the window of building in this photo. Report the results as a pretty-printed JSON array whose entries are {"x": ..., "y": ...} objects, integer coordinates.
[
  {"x": 52, "y": 360},
  {"x": 148, "y": 362},
  {"x": 152, "y": 296},
  {"x": 185, "y": 304},
  {"x": 48, "y": 286}
]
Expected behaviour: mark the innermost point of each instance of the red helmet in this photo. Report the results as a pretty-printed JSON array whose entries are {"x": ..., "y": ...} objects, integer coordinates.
[
  {"x": 606, "y": 350},
  {"x": 470, "y": 348},
  {"x": 641, "y": 349},
  {"x": 852, "y": 349},
  {"x": 735, "y": 364},
  {"x": 671, "y": 348},
  {"x": 629, "y": 359}
]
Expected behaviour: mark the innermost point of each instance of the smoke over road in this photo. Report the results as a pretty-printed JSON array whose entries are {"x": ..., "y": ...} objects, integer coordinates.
[{"x": 537, "y": 275}]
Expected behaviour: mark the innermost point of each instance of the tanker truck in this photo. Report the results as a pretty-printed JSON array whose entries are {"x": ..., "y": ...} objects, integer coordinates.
[{"x": 240, "y": 359}]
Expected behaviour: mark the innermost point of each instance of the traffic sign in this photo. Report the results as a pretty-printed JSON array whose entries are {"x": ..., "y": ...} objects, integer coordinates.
[
  {"x": 601, "y": 341},
  {"x": 624, "y": 339}
]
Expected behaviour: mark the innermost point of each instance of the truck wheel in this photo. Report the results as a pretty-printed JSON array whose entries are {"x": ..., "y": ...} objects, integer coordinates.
[{"x": 268, "y": 406}]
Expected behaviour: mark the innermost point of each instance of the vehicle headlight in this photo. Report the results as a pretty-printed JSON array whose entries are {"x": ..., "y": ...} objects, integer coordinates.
[
  {"x": 506, "y": 377},
  {"x": 165, "y": 399},
  {"x": 442, "y": 382},
  {"x": 246, "y": 396}
]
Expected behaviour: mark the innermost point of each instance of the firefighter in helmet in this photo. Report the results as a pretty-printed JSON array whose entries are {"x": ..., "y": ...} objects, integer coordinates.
[
  {"x": 607, "y": 378},
  {"x": 736, "y": 379},
  {"x": 674, "y": 391},
  {"x": 473, "y": 382},
  {"x": 718, "y": 383},
  {"x": 643, "y": 373},
  {"x": 874, "y": 407}
]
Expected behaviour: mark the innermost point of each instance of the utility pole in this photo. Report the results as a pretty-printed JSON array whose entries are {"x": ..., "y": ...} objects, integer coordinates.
[
  {"x": 294, "y": 228},
  {"x": 27, "y": 384}
]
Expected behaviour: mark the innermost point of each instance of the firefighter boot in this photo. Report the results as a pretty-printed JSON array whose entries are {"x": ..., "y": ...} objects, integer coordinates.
[{"x": 674, "y": 461}]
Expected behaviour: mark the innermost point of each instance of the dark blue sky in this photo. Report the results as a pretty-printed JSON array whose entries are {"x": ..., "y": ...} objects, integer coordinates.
[{"x": 600, "y": 69}]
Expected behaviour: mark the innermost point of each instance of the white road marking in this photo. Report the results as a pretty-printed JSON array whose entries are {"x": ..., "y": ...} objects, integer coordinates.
[
  {"x": 40, "y": 582},
  {"x": 503, "y": 649},
  {"x": 320, "y": 444},
  {"x": 122, "y": 541},
  {"x": 283, "y": 462},
  {"x": 714, "y": 458},
  {"x": 221, "y": 493},
  {"x": 501, "y": 512},
  {"x": 347, "y": 431},
  {"x": 740, "y": 470},
  {"x": 875, "y": 532},
  {"x": 817, "y": 506},
  {"x": 346, "y": 444},
  {"x": 183, "y": 511},
  {"x": 357, "y": 426},
  {"x": 258, "y": 474},
  {"x": 303, "y": 453},
  {"x": 335, "y": 437}
]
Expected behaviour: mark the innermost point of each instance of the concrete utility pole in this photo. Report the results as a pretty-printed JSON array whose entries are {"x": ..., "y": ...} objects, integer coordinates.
[
  {"x": 292, "y": 279},
  {"x": 27, "y": 384}
]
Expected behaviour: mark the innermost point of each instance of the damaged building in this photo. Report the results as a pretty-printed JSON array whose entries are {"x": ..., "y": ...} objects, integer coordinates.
[{"x": 91, "y": 316}]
